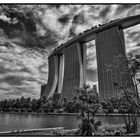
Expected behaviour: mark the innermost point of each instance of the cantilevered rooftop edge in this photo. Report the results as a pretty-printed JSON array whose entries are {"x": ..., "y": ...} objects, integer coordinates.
[{"x": 89, "y": 35}]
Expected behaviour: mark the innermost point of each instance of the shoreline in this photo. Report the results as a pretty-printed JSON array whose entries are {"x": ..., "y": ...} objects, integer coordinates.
[
  {"x": 67, "y": 114},
  {"x": 54, "y": 131},
  {"x": 32, "y": 132},
  {"x": 35, "y": 113},
  {"x": 58, "y": 131}
]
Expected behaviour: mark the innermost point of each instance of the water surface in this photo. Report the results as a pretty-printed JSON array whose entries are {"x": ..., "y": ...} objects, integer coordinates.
[{"x": 10, "y": 122}]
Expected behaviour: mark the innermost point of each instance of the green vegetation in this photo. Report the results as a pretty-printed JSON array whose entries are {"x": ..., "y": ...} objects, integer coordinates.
[
  {"x": 43, "y": 105},
  {"x": 89, "y": 106},
  {"x": 127, "y": 100}
]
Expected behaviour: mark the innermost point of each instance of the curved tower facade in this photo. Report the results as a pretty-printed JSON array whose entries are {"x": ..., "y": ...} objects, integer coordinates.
[
  {"x": 73, "y": 71},
  {"x": 67, "y": 63},
  {"x": 51, "y": 86},
  {"x": 109, "y": 45}
]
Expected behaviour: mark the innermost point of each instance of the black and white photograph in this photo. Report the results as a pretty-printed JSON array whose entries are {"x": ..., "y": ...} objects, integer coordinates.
[{"x": 70, "y": 69}]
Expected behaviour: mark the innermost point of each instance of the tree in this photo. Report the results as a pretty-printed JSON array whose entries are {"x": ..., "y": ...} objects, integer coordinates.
[
  {"x": 17, "y": 103},
  {"x": 89, "y": 107},
  {"x": 44, "y": 99},
  {"x": 127, "y": 97},
  {"x": 107, "y": 106},
  {"x": 134, "y": 65},
  {"x": 48, "y": 106},
  {"x": 128, "y": 103},
  {"x": 27, "y": 103},
  {"x": 33, "y": 104}
]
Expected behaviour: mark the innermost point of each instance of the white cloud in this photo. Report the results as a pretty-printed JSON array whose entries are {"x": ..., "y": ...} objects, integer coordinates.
[
  {"x": 5, "y": 18},
  {"x": 16, "y": 57}
]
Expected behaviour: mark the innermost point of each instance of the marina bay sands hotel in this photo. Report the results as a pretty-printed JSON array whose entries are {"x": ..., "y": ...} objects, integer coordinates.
[{"x": 67, "y": 63}]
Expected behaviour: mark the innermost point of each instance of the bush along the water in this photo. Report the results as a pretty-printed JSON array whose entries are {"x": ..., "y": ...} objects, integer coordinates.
[{"x": 89, "y": 106}]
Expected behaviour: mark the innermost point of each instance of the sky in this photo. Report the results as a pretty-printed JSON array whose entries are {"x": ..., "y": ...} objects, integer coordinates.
[{"x": 29, "y": 33}]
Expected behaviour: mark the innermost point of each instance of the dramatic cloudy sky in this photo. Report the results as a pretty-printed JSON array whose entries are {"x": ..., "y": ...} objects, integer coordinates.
[{"x": 28, "y": 33}]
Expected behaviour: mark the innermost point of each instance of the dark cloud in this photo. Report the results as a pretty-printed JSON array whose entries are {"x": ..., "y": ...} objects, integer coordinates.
[
  {"x": 30, "y": 23},
  {"x": 25, "y": 70},
  {"x": 79, "y": 19},
  {"x": 121, "y": 8},
  {"x": 16, "y": 80},
  {"x": 49, "y": 39},
  {"x": 13, "y": 80},
  {"x": 103, "y": 13},
  {"x": 64, "y": 19},
  {"x": 24, "y": 19},
  {"x": 3, "y": 70},
  {"x": 2, "y": 88},
  {"x": 10, "y": 29},
  {"x": 72, "y": 32},
  {"x": 54, "y": 6},
  {"x": 15, "y": 93},
  {"x": 25, "y": 27}
]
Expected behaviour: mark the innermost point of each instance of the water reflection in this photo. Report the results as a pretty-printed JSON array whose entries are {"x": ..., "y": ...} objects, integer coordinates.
[
  {"x": 22, "y": 121},
  {"x": 109, "y": 120},
  {"x": 25, "y": 121}
]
